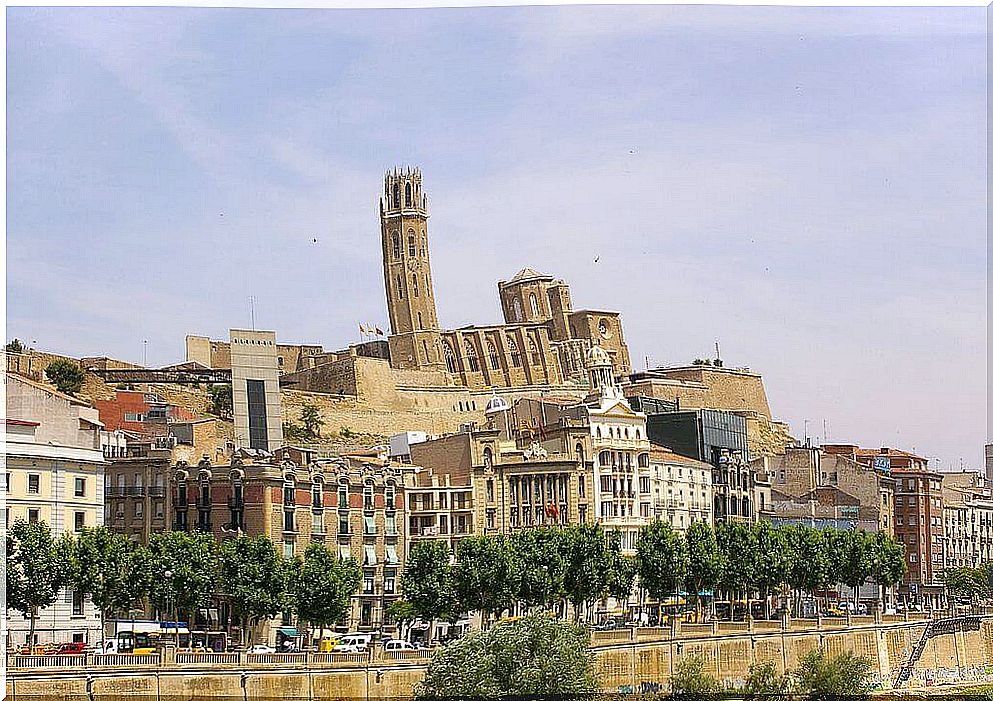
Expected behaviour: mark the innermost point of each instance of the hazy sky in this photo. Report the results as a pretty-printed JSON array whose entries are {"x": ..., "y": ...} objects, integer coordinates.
[{"x": 805, "y": 185}]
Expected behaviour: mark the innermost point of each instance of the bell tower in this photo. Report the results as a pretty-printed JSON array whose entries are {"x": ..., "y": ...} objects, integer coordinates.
[{"x": 415, "y": 339}]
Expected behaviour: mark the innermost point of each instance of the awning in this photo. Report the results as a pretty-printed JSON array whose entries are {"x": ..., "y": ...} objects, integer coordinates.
[
  {"x": 288, "y": 631},
  {"x": 370, "y": 554},
  {"x": 391, "y": 555}
]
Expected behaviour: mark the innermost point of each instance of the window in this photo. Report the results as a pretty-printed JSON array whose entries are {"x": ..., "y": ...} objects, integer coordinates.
[
  {"x": 489, "y": 490},
  {"x": 449, "y": 358},
  {"x": 535, "y": 311},
  {"x": 492, "y": 352},
  {"x": 344, "y": 552},
  {"x": 417, "y": 290},
  {"x": 34, "y": 484},
  {"x": 80, "y": 490},
  {"x": 411, "y": 244},
  {"x": 369, "y": 582},
  {"x": 390, "y": 582},
  {"x": 535, "y": 355},
  {"x": 396, "y": 245},
  {"x": 491, "y": 518},
  {"x": 369, "y": 525},
  {"x": 365, "y": 618},
  {"x": 159, "y": 509},
  {"x": 258, "y": 431},
  {"x": 77, "y": 603},
  {"x": 399, "y": 287},
  {"x": 317, "y": 497},
  {"x": 582, "y": 486},
  {"x": 139, "y": 509},
  {"x": 515, "y": 354},
  {"x": 391, "y": 524},
  {"x": 471, "y": 357},
  {"x": 391, "y": 498},
  {"x": 367, "y": 502},
  {"x": 32, "y": 515},
  {"x": 134, "y": 418},
  {"x": 288, "y": 524},
  {"x": 369, "y": 555},
  {"x": 288, "y": 548},
  {"x": 7, "y": 482},
  {"x": 913, "y": 557},
  {"x": 79, "y": 520},
  {"x": 392, "y": 558}
]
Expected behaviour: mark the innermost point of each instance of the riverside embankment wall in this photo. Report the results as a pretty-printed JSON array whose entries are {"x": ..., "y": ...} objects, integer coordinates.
[{"x": 631, "y": 661}]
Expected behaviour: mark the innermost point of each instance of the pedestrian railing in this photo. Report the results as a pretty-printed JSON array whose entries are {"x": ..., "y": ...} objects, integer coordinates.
[
  {"x": 278, "y": 658},
  {"x": 126, "y": 660},
  {"x": 696, "y": 630},
  {"x": 332, "y": 658},
  {"x": 35, "y": 661},
  {"x": 207, "y": 658},
  {"x": 420, "y": 654}
]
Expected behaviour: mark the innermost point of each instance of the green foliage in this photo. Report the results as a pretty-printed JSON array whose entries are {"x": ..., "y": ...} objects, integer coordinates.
[
  {"x": 588, "y": 564},
  {"x": 541, "y": 565},
  {"x": 428, "y": 582},
  {"x": 253, "y": 575},
  {"x": 312, "y": 422},
  {"x": 346, "y": 432},
  {"x": 533, "y": 657},
  {"x": 820, "y": 677},
  {"x": 36, "y": 569},
  {"x": 292, "y": 432},
  {"x": 400, "y": 611},
  {"x": 322, "y": 584},
  {"x": 15, "y": 346},
  {"x": 661, "y": 559},
  {"x": 765, "y": 682},
  {"x": 110, "y": 567},
  {"x": 183, "y": 570},
  {"x": 811, "y": 566},
  {"x": 691, "y": 678},
  {"x": 773, "y": 557},
  {"x": 486, "y": 574},
  {"x": 889, "y": 563},
  {"x": 221, "y": 403},
  {"x": 623, "y": 571},
  {"x": 66, "y": 375},
  {"x": 704, "y": 561},
  {"x": 739, "y": 545}
]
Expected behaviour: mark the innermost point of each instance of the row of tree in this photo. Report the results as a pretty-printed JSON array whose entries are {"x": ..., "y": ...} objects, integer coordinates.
[
  {"x": 579, "y": 564},
  {"x": 176, "y": 574},
  {"x": 969, "y": 582}
]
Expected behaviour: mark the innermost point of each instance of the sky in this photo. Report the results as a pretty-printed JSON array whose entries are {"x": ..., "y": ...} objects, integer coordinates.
[{"x": 805, "y": 186}]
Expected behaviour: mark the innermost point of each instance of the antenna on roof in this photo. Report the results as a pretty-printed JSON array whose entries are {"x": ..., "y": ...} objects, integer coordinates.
[
  {"x": 251, "y": 306},
  {"x": 717, "y": 349}
]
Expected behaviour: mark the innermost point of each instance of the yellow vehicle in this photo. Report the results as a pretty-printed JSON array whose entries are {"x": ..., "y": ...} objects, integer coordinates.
[{"x": 327, "y": 643}]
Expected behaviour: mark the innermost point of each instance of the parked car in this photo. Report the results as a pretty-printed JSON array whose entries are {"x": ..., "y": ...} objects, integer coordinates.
[
  {"x": 609, "y": 624},
  {"x": 359, "y": 641},
  {"x": 69, "y": 649},
  {"x": 347, "y": 646},
  {"x": 44, "y": 649},
  {"x": 261, "y": 650},
  {"x": 393, "y": 645}
]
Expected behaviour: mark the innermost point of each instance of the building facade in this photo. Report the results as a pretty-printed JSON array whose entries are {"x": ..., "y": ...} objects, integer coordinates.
[
  {"x": 680, "y": 487},
  {"x": 258, "y": 422},
  {"x": 967, "y": 499},
  {"x": 54, "y": 474}
]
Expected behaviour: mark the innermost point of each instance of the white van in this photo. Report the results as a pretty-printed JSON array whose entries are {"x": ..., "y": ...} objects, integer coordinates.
[{"x": 359, "y": 641}]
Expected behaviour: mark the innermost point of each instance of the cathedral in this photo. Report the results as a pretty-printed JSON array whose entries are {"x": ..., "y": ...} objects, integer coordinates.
[{"x": 542, "y": 340}]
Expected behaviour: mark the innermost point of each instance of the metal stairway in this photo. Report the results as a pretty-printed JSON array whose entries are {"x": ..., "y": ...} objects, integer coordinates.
[{"x": 935, "y": 627}]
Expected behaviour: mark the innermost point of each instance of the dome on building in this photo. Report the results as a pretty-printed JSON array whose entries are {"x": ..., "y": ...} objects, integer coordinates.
[
  {"x": 496, "y": 404},
  {"x": 598, "y": 357},
  {"x": 529, "y": 274}
]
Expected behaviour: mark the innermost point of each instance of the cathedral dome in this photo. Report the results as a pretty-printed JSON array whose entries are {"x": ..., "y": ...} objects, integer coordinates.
[
  {"x": 496, "y": 404},
  {"x": 598, "y": 357}
]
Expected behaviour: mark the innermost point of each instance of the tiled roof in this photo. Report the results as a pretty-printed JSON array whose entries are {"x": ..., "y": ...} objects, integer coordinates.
[
  {"x": 660, "y": 452},
  {"x": 528, "y": 274}
]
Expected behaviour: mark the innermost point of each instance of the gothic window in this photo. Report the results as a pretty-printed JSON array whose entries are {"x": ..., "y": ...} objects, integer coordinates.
[
  {"x": 424, "y": 345},
  {"x": 420, "y": 325},
  {"x": 518, "y": 312},
  {"x": 424, "y": 247},
  {"x": 492, "y": 352},
  {"x": 449, "y": 358},
  {"x": 396, "y": 244},
  {"x": 534, "y": 305},
  {"x": 396, "y": 195},
  {"x": 471, "y": 357},
  {"x": 409, "y": 195},
  {"x": 411, "y": 244},
  {"x": 399, "y": 287},
  {"x": 515, "y": 355},
  {"x": 535, "y": 355},
  {"x": 417, "y": 292}
]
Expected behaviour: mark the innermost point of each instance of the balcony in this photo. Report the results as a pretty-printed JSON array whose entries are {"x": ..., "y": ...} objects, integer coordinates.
[
  {"x": 156, "y": 491},
  {"x": 112, "y": 491},
  {"x": 134, "y": 491}
]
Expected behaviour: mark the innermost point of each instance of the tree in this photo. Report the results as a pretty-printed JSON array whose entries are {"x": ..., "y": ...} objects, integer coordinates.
[
  {"x": 623, "y": 570},
  {"x": 322, "y": 585},
  {"x": 541, "y": 563},
  {"x": 15, "y": 346},
  {"x": 253, "y": 575},
  {"x": 111, "y": 568},
  {"x": 773, "y": 554},
  {"x": 184, "y": 570},
  {"x": 820, "y": 677},
  {"x": 35, "y": 570},
  {"x": 703, "y": 560},
  {"x": 486, "y": 575},
  {"x": 221, "y": 403},
  {"x": 889, "y": 565},
  {"x": 536, "y": 656},
  {"x": 691, "y": 678},
  {"x": 588, "y": 564},
  {"x": 66, "y": 375},
  {"x": 312, "y": 422},
  {"x": 428, "y": 583},
  {"x": 661, "y": 559},
  {"x": 738, "y": 553},
  {"x": 811, "y": 566},
  {"x": 858, "y": 559},
  {"x": 766, "y": 683}
]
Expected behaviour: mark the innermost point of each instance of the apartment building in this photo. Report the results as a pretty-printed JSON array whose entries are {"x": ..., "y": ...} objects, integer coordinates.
[
  {"x": 681, "y": 488},
  {"x": 54, "y": 474},
  {"x": 967, "y": 499}
]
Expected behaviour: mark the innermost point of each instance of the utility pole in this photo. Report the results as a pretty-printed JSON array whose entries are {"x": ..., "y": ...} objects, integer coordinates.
[
  {"x": 144, "y": 353},
  {"x": 251, "y": 305}
]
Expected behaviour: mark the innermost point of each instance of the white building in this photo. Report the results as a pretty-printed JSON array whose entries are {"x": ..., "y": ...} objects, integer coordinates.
[
  {"x": 681, "y": 488},
  {"x": 54, "y": 473},
  {"x": 620, "y": 446},
  {"x": 967, "y": 513}
]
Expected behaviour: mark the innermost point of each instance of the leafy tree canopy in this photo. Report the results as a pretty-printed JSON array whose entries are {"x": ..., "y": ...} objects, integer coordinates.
[
  {"x": 691, "y": 678},
  {"x": 535, "y": 656},
  {"x": 253, "y": 575},
  {"x": 821, "y": 678},
  {"x": 66, "y": 375},
  {"x": 110, "y": 567},
  {"x": 322, "y": 584},
  {"x": 183, "y": 569},
  {"x": 428, "y": 583}
]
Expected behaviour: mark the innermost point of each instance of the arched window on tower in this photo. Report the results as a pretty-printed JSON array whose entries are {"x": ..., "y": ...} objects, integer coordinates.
[
  {"x": 420, "y": 325},
  {"x": 408, "y": 196},
  {"x": 424, "y": 246},
  {"x": 411, "y": 244},
  {"x": 396, "y": 195},
  {"x": 534, "y": 306},
  {"x": 471, "y": 356},
  {"x": 492, "y": 352},
  {"x": 535, "y": 355},
  {"x": 396, "y": 244},
  {"x": 424, "y": 345},
  {"x": 417, "y": 292},
  {"x": 518, "y": 312},
  {"x": 515, "y": 355},
  {"x": 449, "y": 358},
  {"x": 399, "y": 287}
]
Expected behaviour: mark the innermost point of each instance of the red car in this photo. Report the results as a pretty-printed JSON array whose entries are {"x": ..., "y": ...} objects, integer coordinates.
[{"x": 69, "y": 649}]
